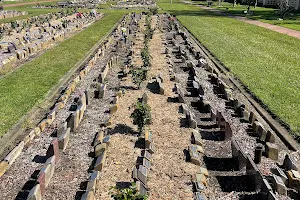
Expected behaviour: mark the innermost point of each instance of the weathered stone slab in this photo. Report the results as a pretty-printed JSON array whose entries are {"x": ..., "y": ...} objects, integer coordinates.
[
  {"x": 47, "y": 171},
  {"x": 108, "y": 122},
  {"x": 141, "y": 188},
  {"x": 119, "y": 93},
  {"x": 43, "y": 124},
  {"x": 196, "y": 137},
  {"x": 88, "y": 195},
  {"x": 52, "y": 115},
  {"x": 148, "y": 138},
  {"x": 88, "y": 95},
  {"x": 151, "y": 148},
  {"x": 146, "y": 163},
  {"x": 147, "y": 155},
  {"x": 64, "y": 139},
  {"x": 199, "y": 196},
  {"x": 279, "y": 185},
  {"x": 31, "y": 135},
  {"x": 102, "y": 90},
  {"x": 91, "y": 185},
  {"x": 99, "y": 149},
  {"x": 35, "y": 193},
  {"x": 201, "y": 178},
  {"x": 62, "y": 129},
  {"x": 99, "y": 137},
  {"x": 74, "y": 120},
  {"x": 228, "y": 131},
  {"x": 180, "y": 95},
  {"x": 81, "y": 109},
  {"x": 14, "y": 154},
  {"x": 228, "y": 94},
  {"x": 270, "y": 137},
  {"x": 199, "y": 187},
  {"x": 113, "y": 109},
  {"x": 26, "y": 140},
  {"x": 262, "y": 133},
  {"x": 191, "y": 120},
  {"x": 204, "y": 171},
  {"x": 272, "y": 151},
  {"x": 83, "y": 99},
  {"x": 106, "y": 140},
  {"x": 3, "y": 167},
  {"x": 100, "y": 162},
  {"x": 194, "y": 154},
  {"x": 95, "y": 175},
  {"x": 142, "y": 174},
  {"x": 160, "y": 85},
  {"x": 266, "y": 187},
  {"x": 53, "y": 150},
  {"x": 41, "y": 181},
  {"x": 279, "y": 172},
  {"x": 252, "y": 118},
  {"x": 145, "y": 98}
]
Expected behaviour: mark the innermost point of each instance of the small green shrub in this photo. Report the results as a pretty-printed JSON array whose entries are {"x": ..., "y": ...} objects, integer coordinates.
[
  {"x": 141, "y": 115},
  {"x": 145, "y": 56},
  {"x": 13, "y": 24},
  {"x": 154, "y": 10},
  {"x": 130, "y": 193},
  {"x": 138, "y": 76}
]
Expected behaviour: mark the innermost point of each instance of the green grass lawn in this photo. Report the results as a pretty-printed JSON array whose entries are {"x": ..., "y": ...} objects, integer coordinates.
[
  {"x": 28, "y": 86},
  {"x": 266, "y": 61},
  {"x": 268, "y": 15}
]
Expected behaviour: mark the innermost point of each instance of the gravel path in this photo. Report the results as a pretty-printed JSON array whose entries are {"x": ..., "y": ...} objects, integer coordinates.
[{"x": 170, "y": 176}]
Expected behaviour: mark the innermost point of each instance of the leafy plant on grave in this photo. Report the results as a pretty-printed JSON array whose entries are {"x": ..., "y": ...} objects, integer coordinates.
[
  {"x": 149, "y": 31},
  {"x": 65, "y": 23},
  {"x": 130, "y": 193},
  {"x": 141, "y": 115},
  {"x": 13, "y": 24},
  {"x": 138, "y": 76},
  {"x": 145, "y": 56},
  {"x": 154, "y": 10}
]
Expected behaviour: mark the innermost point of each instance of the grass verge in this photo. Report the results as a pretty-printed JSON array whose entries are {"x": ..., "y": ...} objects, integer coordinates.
[
  {"x": 268, "y": 15},
  {"x": 29, "y": 85},
  {"x": 266, "y": 61}
]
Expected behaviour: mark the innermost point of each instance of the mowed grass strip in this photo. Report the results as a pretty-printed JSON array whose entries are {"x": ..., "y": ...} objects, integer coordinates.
[
  {"x": 268, "y": 15},
  {"x": 28, "y": 85},
  {"x": 266, "y": 61}
]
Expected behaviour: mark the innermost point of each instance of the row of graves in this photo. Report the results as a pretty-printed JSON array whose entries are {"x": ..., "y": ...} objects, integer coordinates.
[
  {"x": 239, "y": 154},
  {"x": 134, "y": 4},
  {"x": 11, "y": 13},
  {"x": 79, "y": 4},
  {"x": 23, "y": 39},
  {"x": 63, "y": 155},
  {"x": 90, "y": 4}
]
